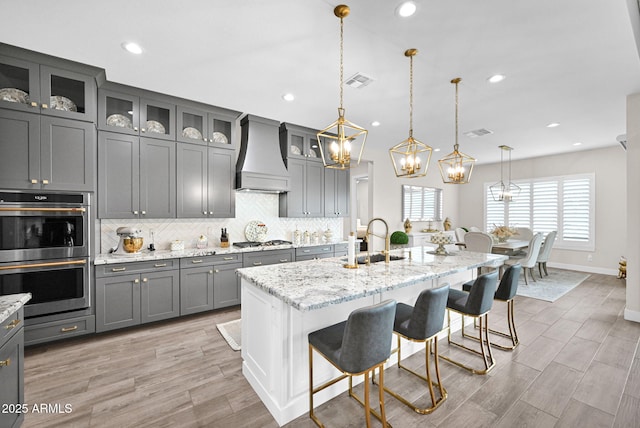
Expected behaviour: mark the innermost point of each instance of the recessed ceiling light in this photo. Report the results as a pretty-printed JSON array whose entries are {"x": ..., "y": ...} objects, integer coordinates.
[
  {"x": 436, "y": 150},
  {"x": 553, "y": 125},
  {"x": 132, "y": 47},
  {"x": 375, "y": 123},
  {"x": 288, "y": 97},
  {"x": 577, "y": 144},
  {"x": 406, "y": 9},
  {"x": 496, "y": 78}
]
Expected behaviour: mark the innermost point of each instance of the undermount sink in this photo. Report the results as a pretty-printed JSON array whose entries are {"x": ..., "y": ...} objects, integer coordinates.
[{"x": 375, "y": 258}]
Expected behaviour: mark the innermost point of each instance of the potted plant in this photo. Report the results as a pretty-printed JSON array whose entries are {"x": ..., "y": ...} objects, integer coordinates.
[{"x": 399, "y": 239}]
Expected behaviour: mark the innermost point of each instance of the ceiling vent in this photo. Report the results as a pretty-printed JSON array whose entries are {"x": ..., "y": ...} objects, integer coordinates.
[
  {"x": 622, "y": 139},
  {"x": 359, "y": 80},
  {"x": 478, "y": 133}
]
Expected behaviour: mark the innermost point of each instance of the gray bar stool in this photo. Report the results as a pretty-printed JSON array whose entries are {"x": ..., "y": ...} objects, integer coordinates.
[
  {"x": 476, "y": 303},
  {"x": 421, "y": 323},
  {"x": 506, "y": 292},
  {"x": 356, "y": 346}
]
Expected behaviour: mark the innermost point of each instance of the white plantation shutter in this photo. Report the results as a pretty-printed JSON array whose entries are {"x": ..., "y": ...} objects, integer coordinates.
[
  {"x": 422, "y": 203},
  {"x": 565, "y": 204}
]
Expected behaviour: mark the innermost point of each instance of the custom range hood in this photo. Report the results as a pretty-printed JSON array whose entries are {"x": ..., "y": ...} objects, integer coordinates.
[{"x": 260, "y": 166}]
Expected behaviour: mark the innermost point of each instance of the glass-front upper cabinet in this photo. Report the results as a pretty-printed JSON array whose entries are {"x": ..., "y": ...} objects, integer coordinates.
[
  {"x": 205, "y": 127},
  {"x": 29, "y": 86},
  {"x": 299, "y": 142},
  {"x": 135, "y": 115}
]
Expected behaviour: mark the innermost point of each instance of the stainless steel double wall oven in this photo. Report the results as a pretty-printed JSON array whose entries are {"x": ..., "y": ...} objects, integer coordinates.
[{"x": 45, "y": 250}]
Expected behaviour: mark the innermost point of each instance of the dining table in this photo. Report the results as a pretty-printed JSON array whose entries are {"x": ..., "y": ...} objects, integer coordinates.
[{"x": 510, "y": 247}]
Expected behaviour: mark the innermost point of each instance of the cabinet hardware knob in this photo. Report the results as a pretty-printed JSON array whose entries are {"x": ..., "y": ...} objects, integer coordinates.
[
  {"x": 34, "y": 181},
  {"x": 136, "y": 281},
  {"x": 160, "y": 265},
  {"x": 257, "y": 263},
  {"x": 305, "y": 251},
  {"x": 283, "y": 260},
  {"x": 204, "y": 212},
  {"x": 45, "y": 181},
  {"x": 135, "y": 128},
  {"x": 210, "y": 272},
  {"x": 12, "y": 324},
  {"x": 216, "y": 271},
  {"x": 145, "y": 280},
  {"x": 206, "y": 140},
  {"x": 122, "y": 269},
  {"x": 143, "y": 130},
  {"x": 228, "y": 258},
  {"x": 5, "y": 363},
  {"x": 195, "y": 262},
  {"x": 68, "y": 329},
  {"x": 144, "y": 213},
  {"x": 135, "y": 212},
  {"x": 44, "y": 105},
  {"x": 34, "y": 104}
]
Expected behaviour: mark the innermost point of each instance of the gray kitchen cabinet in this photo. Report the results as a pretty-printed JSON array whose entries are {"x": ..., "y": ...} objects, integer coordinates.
[
  {"x": 314, "y": 252},
  {"x": 12, "y": 370},
  {"x": 134, "y": 111},
  {"x": 209, "y": 282},
  {"x": 55, "y": 87},
  {"x": 129, "y": 294},
  {"x": 42, "y": 152},
  {"x": 336, "y": 192},
  {"x": 300, "y": 152},
  {"x": 137, "y": 177},
  {"x": 205, "y": 181},
  {"x": 267, "y": 257},
  {"x": 208, "y": 125},
  {"x": 306, "y": 197},
  {"x": 340, "y": 249}
]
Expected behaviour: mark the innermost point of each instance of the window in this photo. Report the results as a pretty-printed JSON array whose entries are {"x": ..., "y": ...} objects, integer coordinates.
[
  {"x": 565, "y": 204},
  {"x": 421, "y": 203}
]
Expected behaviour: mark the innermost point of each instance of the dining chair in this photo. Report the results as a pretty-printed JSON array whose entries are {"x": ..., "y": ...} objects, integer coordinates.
[
  {"x": 545, "y": 252},
  {"x": 460, "y": 232},
  {"x": 475, "y": 229},
  {"x": 357, "y": 346},
  {"x": 524, "y": 233},
  {"x": 528, "y": 262},
  {"x": 478, "y": 242}
]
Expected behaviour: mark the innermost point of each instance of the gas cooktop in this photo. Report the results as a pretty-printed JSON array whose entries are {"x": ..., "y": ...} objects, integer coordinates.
[{"x": 271, "y": 243}]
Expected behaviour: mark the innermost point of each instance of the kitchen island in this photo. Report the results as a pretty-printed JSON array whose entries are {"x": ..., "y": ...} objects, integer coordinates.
[{"x": 282, "y": 304}]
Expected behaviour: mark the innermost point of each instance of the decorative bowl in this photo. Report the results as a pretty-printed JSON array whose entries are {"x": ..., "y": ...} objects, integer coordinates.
[
  {"x": 220, "y": 138},
  {"x": 120, "y": 121},
  {"x": 14, "y": 95},
  {"x": 132, "y": 245},
  {"x": 58, "y": 102},
  {"x": 191, "y": 132},
  {"x": 155, "y": 127}
]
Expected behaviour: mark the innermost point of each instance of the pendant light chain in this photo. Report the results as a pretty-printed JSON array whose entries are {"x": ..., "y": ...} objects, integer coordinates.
[
  {"x": 341, "y": 59},
  {"x": 456, "y": 146},
  {"x": 411, "y": 96}
]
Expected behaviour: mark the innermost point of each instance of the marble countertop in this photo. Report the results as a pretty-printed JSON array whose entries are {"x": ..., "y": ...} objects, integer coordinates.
[
  {"x": 319, "y": 283},
  {"x": 145, "y": 255},
  {"x": 11, "y": 303}
]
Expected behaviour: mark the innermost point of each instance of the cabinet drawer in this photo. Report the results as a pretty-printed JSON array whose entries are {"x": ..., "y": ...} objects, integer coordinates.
[
  {"x": 269, "y": 257},
  {"x": 12, "y": 324},
  {"x": 210, "y": 260},
  {"x": 56, "y": 330},
  {"x": 135, "y": 267},
  {"x": 313, "y": 257},
  {"x": 318, "y": 249},
  {"x": 340, "y": 249}
]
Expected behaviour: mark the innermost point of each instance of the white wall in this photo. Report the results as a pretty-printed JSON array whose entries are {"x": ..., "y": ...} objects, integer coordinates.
[
  {"x": 632, "y": 310},
  {"x": 464, "y": 204}
]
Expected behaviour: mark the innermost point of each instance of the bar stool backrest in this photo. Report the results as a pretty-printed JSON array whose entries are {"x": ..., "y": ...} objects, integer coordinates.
[
  {"x": 509, "y": 283},
  {"x": 480, "y": 298},
  {"x": 367, "y": 337},
  {"x": 427, "y": 317}
]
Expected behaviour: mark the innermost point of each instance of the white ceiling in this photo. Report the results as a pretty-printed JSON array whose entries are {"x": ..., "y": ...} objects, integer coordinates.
[{"x": 568, "y": 61}]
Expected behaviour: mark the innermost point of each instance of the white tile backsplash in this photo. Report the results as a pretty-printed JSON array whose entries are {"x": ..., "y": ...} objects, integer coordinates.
[{"x": 249, "y": 206}]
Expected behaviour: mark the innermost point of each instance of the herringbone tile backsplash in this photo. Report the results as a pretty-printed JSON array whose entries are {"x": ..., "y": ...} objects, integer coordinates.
[{"x": 249, "y": 206}]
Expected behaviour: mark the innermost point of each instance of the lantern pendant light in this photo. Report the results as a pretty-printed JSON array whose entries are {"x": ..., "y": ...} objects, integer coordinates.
[
  {"x": 410, "y": 157},
  {"x": 342, "y": 138},
  {"x": 500, "y": 191},
  {"x": 456, "y": 167}
]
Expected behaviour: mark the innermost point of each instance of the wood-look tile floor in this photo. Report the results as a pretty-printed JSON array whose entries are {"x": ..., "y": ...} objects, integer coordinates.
[{"x": 577, "y": 366}]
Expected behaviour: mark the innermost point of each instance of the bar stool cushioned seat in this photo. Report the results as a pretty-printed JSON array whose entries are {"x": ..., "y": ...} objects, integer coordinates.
[
  {"x": 421, "y": 323},
  {"x": 476, "y": 303},
  {"x": 506, "y": 292},
  {"x": 356, "y": 346}
]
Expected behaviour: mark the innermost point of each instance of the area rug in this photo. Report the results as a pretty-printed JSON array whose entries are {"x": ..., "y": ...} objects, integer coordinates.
[
  {"x": 552, "y": 287},
  {"x": 231, "y": 333}
]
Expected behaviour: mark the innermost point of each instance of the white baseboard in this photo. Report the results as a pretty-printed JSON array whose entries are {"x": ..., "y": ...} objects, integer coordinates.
[
  {"x": 630, "y": 315},
  {"x": 583, "y": 268}
]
